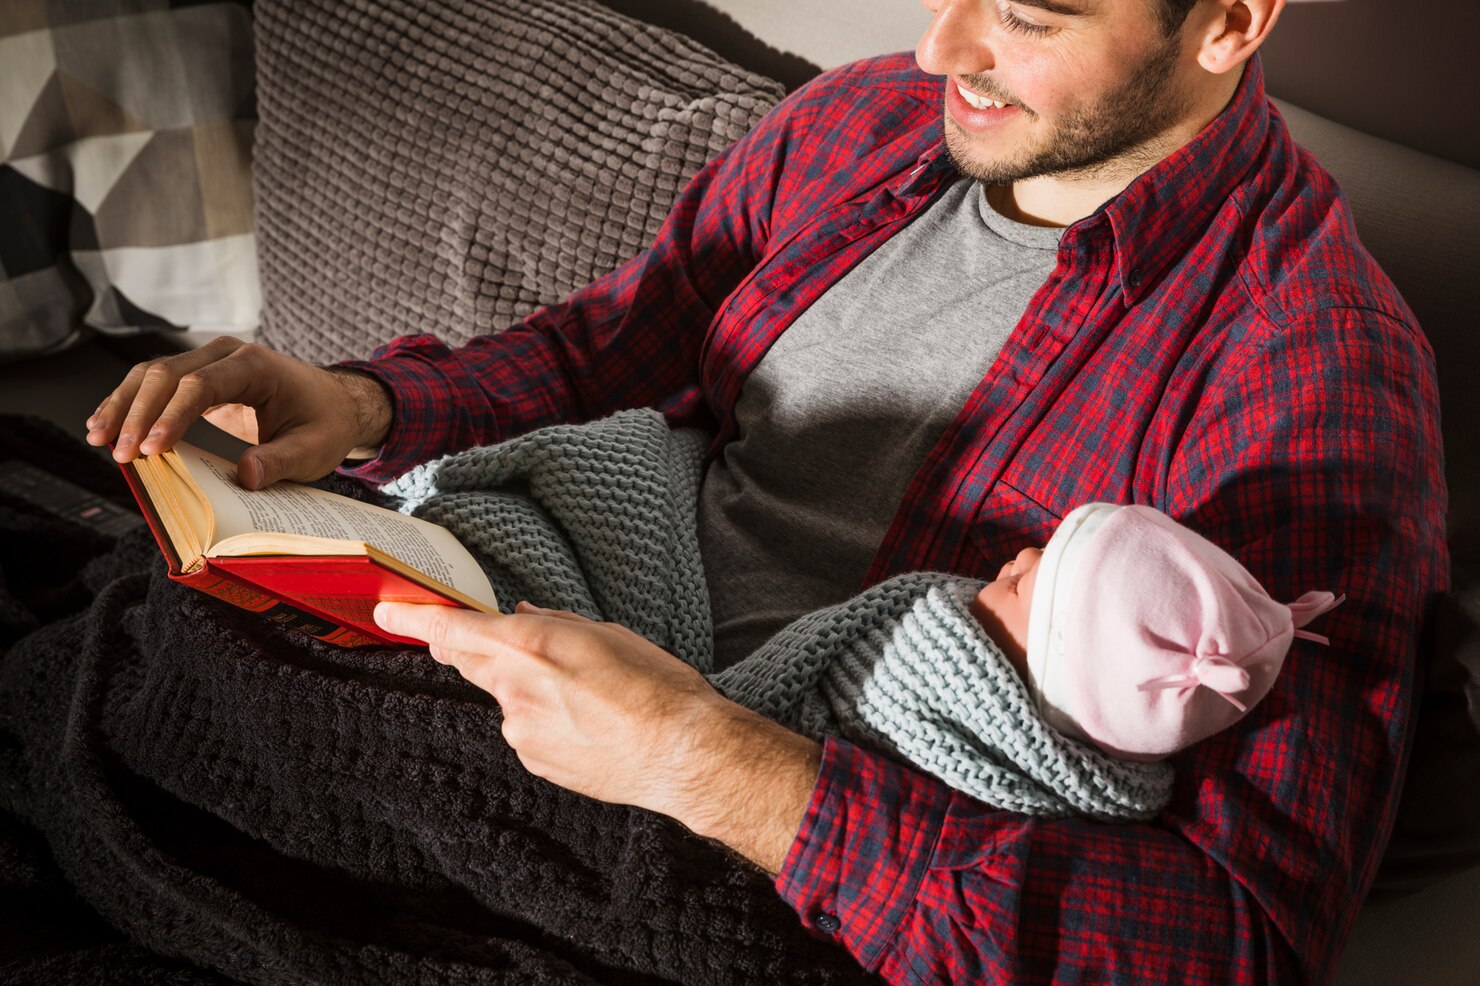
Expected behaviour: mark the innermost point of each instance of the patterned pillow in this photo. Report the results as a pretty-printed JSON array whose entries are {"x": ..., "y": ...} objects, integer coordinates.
[
  {"x": 448, "y": 166},
  {"x": 125, "y": 183}
]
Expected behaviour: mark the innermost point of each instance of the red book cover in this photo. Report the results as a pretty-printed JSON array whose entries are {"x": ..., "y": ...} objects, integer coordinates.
[
  {"x": 339, "y": 589},
  {"x": 329, "y": 597}
]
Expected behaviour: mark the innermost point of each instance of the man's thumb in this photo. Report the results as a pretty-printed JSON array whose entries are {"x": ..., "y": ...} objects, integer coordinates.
[
  {"x": 299, "y": 455},
  {"x": 281, "y": 458},
  {"x": 257, "y": 468}
]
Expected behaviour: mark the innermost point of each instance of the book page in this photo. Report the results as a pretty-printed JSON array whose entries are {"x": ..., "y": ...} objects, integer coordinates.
[{"x": 296, "y": 509}]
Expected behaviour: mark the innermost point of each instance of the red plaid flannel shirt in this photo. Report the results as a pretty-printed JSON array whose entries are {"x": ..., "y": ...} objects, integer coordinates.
[{"x": 1214, "y": 342}]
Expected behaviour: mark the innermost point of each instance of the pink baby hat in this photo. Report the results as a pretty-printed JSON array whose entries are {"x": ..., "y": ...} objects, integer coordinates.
[{"x": 1144, "y": 638}]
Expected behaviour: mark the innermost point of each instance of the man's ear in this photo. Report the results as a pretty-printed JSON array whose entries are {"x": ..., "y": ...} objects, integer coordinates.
[{"x": 1230, "y": 31}]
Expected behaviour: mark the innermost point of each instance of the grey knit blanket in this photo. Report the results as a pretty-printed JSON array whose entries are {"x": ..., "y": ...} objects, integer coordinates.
[{"x": 600, "y": 519}]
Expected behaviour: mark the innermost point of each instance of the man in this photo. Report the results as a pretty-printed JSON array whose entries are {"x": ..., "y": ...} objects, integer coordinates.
[{"x": 1140, "y": 291}]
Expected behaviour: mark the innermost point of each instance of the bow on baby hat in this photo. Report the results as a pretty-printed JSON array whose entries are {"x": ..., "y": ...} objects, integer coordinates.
[
  {"x": 1145, "y": 637},
  {"x": 1228, "y": 677}
]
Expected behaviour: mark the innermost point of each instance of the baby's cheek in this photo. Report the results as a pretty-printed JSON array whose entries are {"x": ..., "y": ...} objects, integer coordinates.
[
  {"x": 981, "y": 608},
  {"x": 992, "y": 608}
]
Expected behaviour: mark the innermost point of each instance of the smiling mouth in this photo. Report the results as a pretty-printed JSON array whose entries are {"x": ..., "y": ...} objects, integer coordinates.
[{"x": 980, "y": 102}]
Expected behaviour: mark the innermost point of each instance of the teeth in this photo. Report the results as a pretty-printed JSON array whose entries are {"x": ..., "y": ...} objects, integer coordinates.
[{"x": 979, "y": 102}]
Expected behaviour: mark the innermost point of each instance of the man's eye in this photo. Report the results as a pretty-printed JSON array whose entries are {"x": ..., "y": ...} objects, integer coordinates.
[{"x": 1013, "y": 22}]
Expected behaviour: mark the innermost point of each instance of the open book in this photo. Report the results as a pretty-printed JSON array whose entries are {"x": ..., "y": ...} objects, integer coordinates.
[{"x": 305, "y": 558}]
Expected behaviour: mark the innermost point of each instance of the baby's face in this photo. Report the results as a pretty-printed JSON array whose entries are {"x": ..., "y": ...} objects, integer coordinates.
[{"x": 1002, "y": 607}]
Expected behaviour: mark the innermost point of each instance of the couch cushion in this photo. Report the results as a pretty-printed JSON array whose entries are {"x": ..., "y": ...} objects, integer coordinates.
[
  {"x": 1436, "y": 833},
  {"x": 449, "y": 166}
]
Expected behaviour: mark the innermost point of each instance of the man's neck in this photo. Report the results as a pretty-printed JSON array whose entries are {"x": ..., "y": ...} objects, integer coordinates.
[{"x": 1052, "y": 201}]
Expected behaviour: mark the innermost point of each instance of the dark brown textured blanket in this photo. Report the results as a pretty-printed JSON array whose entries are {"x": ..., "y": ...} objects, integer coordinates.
[{"x": 191, "y": 794}]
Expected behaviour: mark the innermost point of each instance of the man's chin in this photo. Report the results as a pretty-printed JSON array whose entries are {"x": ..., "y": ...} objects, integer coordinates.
[{"x": 972, "y": 163}]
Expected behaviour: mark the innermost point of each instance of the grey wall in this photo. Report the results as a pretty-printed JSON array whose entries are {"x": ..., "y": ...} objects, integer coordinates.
[{"x": 828, "y": 32}]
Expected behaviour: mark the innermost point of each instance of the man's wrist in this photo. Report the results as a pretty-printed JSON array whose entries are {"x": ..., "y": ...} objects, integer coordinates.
[
  {"x": 371, "y": 404},
  {"x": 747, "y": 783}
]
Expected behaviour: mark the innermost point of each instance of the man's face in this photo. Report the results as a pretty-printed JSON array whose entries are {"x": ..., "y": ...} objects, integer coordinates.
[{"x": 1086, "y": 86}]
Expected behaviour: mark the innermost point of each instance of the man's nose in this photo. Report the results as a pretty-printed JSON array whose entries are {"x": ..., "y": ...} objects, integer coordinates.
[{"x": 955, "y": 43}]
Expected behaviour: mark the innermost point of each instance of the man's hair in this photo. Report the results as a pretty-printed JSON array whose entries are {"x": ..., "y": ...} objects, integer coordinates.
[{"x": 1173, "y": 14}]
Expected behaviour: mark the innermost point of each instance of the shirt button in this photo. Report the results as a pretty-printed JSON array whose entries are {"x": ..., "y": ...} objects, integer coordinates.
[
  {"x": 1134, "y": 279},
  {"x": 828, "y": 923}
]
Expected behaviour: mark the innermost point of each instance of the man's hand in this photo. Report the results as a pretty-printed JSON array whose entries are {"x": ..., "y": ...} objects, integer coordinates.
[
  {"x": 600, "y": 710},
  {"x": 307, "y": 419}
]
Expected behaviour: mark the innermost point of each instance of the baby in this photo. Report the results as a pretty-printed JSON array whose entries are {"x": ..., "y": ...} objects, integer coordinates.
[{"x": 1137, "y": 635}]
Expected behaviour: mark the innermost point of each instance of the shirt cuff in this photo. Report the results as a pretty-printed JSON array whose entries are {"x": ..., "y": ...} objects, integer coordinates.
[
  {"x": 864, "y": 845},
  {"x": 420, "y": 393}
]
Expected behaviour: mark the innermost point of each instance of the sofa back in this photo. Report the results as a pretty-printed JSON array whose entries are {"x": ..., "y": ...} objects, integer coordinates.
[{"x": 448, "y": 166}]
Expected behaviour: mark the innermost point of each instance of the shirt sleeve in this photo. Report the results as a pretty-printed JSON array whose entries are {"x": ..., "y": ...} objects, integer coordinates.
[
  {"x": 1319, "y": 465},
  {"x": 632, "y": 338}
]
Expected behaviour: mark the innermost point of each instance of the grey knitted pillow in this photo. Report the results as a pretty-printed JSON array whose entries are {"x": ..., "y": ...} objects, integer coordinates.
[{"x": 448, "y": 166}]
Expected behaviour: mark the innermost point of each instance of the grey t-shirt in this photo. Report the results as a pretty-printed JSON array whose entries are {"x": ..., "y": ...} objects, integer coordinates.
[{"x": 844, "y": 407}]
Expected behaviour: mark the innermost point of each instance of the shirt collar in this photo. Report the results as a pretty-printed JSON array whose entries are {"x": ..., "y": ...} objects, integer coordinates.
[{"x": 1164, "y": 211}]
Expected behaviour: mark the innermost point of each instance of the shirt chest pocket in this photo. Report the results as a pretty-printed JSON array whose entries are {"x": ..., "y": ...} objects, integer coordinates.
[
  {"x": 1036, "y": 491},
  {"x": 1007, "y": 521},
  {"x": 1081, "y": 450}
]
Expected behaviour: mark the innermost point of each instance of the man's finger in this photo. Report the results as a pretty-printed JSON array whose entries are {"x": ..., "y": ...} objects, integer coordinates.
[
  {"x": 234, "y": 379},
  {"x": 296, "y": 455},
  {"x": 103, "y": 425},
  {"x": 131, "y": 410},
  {"x": 491, "y": 634},
  {"x": 447, "y": 627},
  {"x": 460, "y": 660}
]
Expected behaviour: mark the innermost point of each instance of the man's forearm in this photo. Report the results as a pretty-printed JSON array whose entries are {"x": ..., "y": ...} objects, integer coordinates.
[{"x": 746, "y": 782}]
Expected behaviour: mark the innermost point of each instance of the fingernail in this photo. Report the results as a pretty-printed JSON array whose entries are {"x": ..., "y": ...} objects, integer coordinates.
[{"x": 383, "y": 617}]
